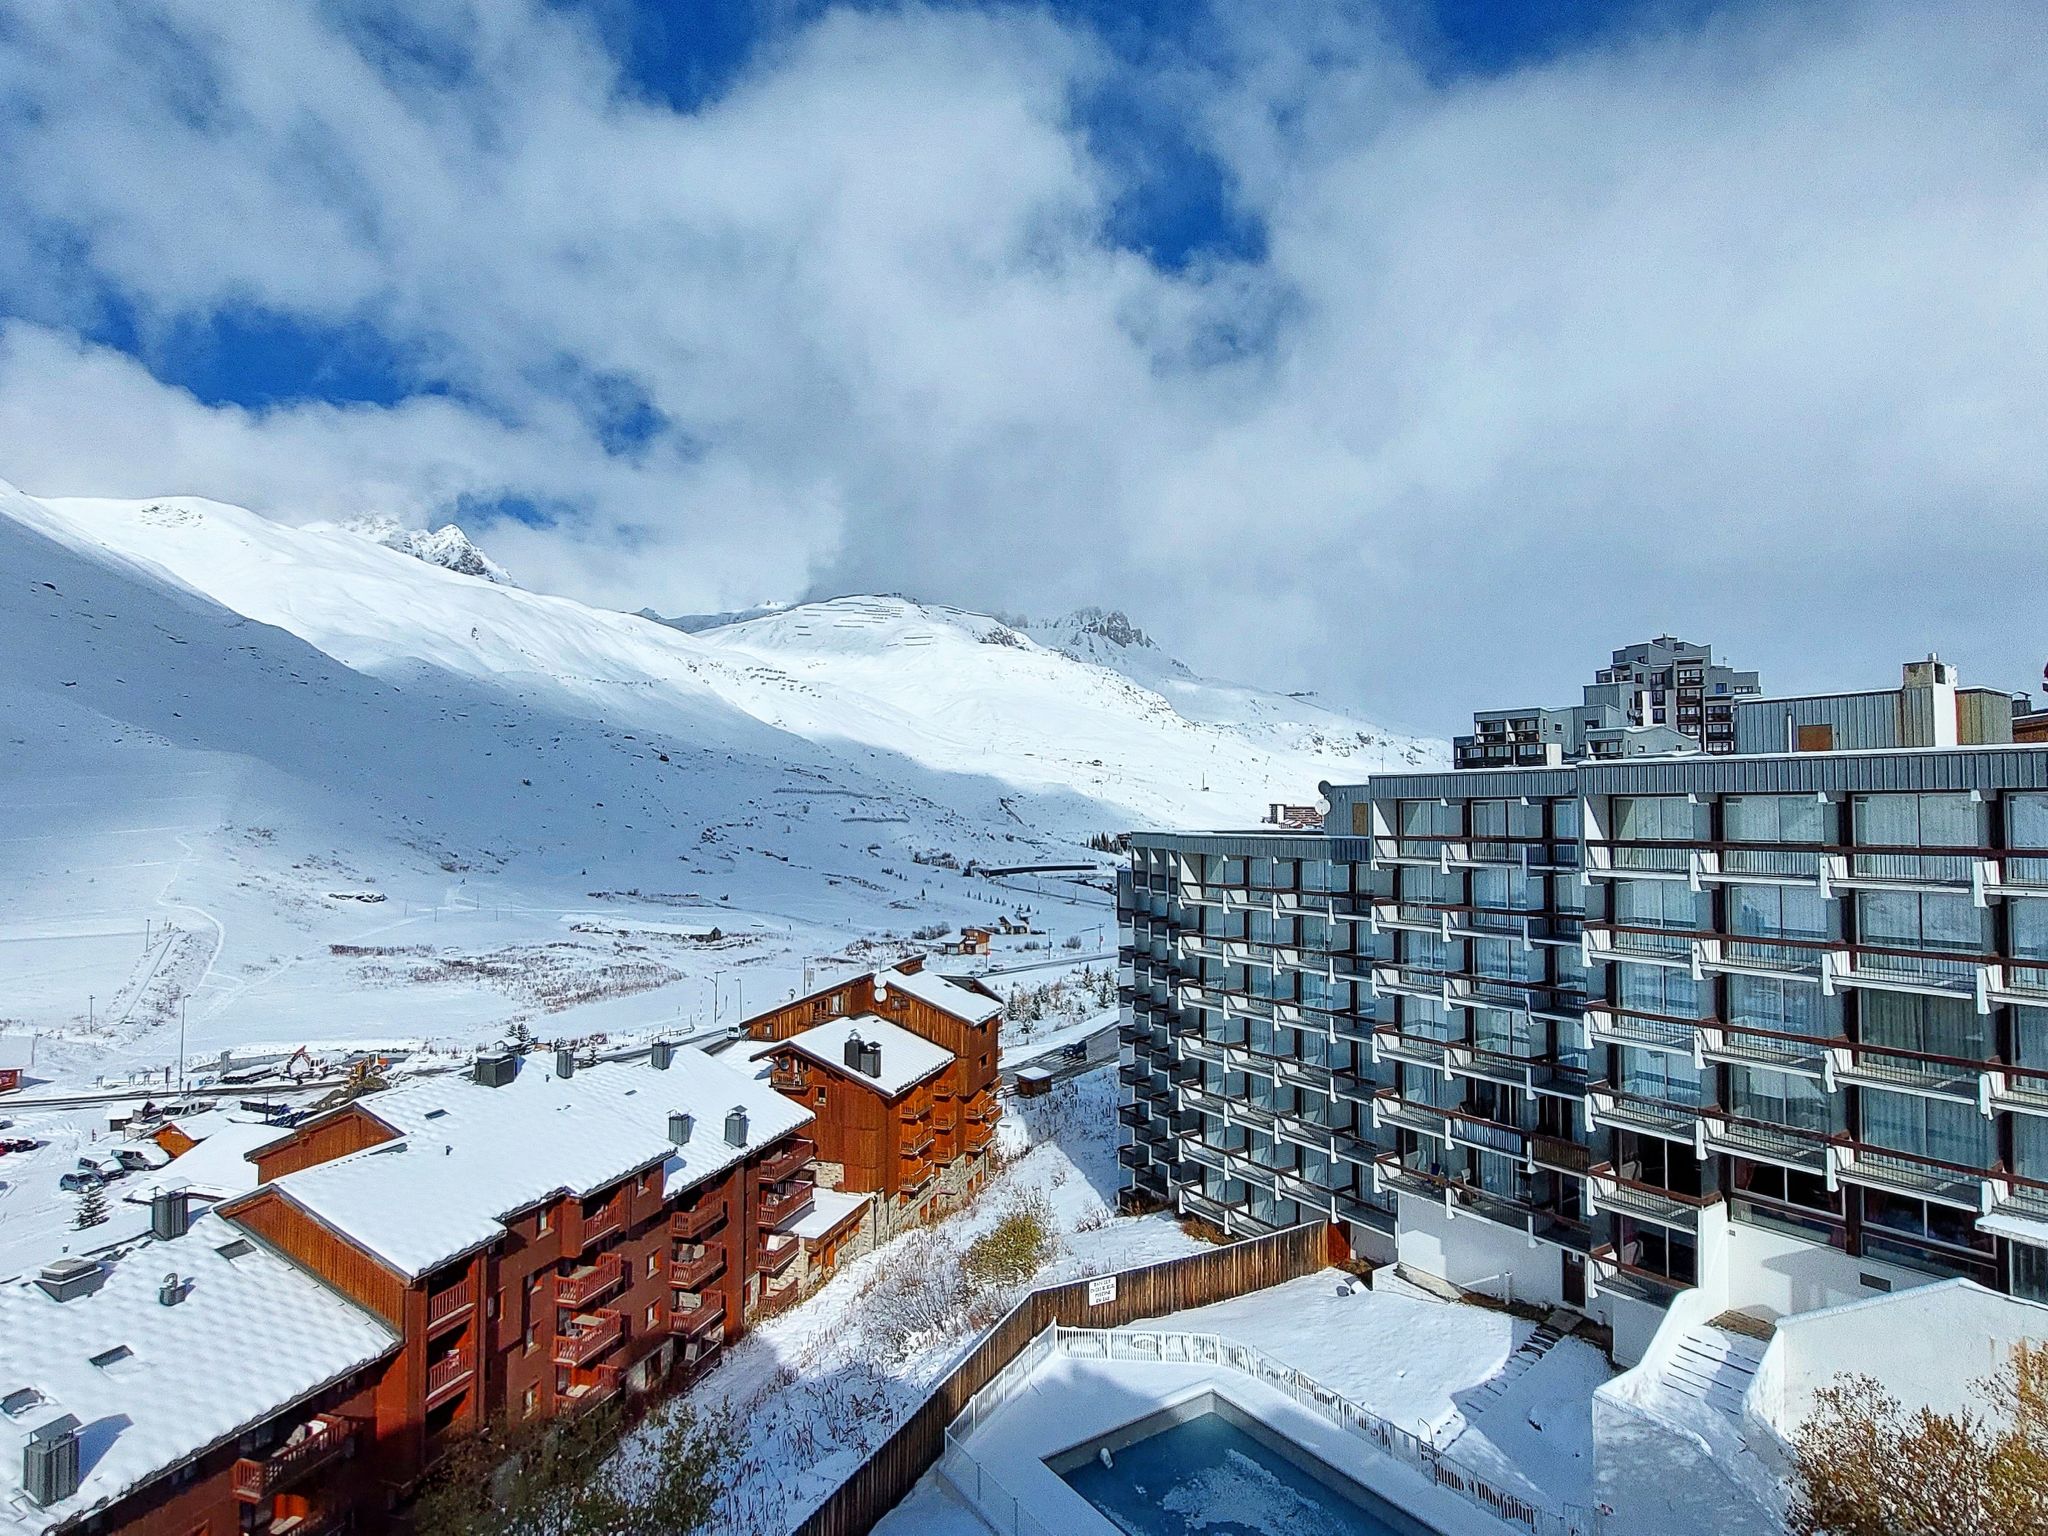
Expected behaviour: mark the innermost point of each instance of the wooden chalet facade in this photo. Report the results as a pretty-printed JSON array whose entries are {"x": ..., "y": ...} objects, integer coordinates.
[{"x": 914, "y": 1144}]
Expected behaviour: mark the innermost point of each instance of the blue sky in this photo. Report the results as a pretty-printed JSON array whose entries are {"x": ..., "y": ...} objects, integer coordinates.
[{"x": 1318, "y": 335}]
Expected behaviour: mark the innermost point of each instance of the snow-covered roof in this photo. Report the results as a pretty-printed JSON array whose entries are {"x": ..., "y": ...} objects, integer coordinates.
[
  {"x": 944, "y": 993},
  {"x": 219, "y": 1167},
  {"x": 17, "y": 1052},
  {"x": 468, "y": 1157},
  {"x": 907, "y": 1059},
  {"x": 153, "y": 1385},
  {"x": 829, "y": 1208}
]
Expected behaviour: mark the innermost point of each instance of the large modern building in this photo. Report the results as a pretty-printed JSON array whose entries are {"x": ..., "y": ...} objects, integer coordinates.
[
  {"x": 1660, "y": 695},
  {"x": 1599, "y": 1033}
]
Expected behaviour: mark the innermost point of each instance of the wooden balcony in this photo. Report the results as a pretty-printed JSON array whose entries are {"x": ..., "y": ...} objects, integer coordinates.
[
  {"x": 978, "y": 1135},
  {"x": 786, "y": 1079},
  {"x": 586, "y": 1283},
  {"x": 446, "y": 1308},
  {"x": 591, "y": 1386},
  {"x": 688, "y": 1226},
  {"x": 777, "y": 1253},
  {"x": 918, "y": 1172},
  {"x": 447, "y": 1375},
  {"x": 786, "y": 1163},
  {"x": 589, "y": 1336},
  {"x": 696, "y": 1323},
  {"x": 257, "y": 1478},
  {"x": 777, "y": 1204},
  {"x": 695, "y": 1274},
  {"x": 607, "y": 1220},
  {"x": 319, "y": 1522}
]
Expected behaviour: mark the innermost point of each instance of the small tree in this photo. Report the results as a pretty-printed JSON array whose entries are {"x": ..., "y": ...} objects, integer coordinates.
[
  {"x": 1866, "y": 1467},
  {"x": 1015, "y": 1248},
  {"x": 572, "y": 1477},
  {"x": 92, "y": 1206}
]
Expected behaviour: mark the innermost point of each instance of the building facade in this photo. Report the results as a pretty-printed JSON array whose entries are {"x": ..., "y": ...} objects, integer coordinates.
[
  {"x": 914, "y": 1131},
  {"x": 1607, "y": 1031},
  {"x": 1655, "y": 686}
]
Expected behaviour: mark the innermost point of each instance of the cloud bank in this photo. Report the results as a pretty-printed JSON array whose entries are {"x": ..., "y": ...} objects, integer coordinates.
[{"x": 1739, "y": 331}]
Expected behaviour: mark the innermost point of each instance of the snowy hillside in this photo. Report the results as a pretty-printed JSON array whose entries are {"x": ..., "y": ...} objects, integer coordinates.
[
  {"x": 306, "y": 785},
  {"x": 448, "y": 547}
]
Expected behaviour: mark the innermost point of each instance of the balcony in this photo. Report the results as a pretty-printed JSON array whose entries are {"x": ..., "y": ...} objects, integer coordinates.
[
  {"x": 1560, "y": 1153},
  {"x": 1645, "y": 1202},
  {"x": 1627, "y": 1279},
  {"x": 607, "y": 1220},
  {"x": 777, "y": 1205},
  {"x": 588, "y": 1336},
  {"x": 985, "y": 1109},
  {"x": 318, "y": 1522},
  {"x": 979, "y": 1134},
  {"x": 786, "y": 1078},
  {"x": 257, "y": 1478},
  {"x": 587, "y": 1282},
  {"x": 917, "y": 1173},
  {"x": 450, "y": 1305},
  {"x": 446, "y": 1376},
  {"x": 778, "y": 1249},
  {"x": 1617, "y": 1110},
  {"x": 694, "y": 1274},
  {"x": 591, "y": 1386},
  {"x": 1781, "y": 1146},
  {"x": 696, "y": 1323},
  {"x": 1928, "y": 1178},
  {"x": 690, "y": 1225},
  {"x": 1908, "y": 1071},
  {"x": 785, "y": 1163}
]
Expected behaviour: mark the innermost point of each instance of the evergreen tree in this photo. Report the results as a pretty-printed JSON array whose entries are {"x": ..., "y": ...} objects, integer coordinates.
[{"x": 92, "y": 1206}]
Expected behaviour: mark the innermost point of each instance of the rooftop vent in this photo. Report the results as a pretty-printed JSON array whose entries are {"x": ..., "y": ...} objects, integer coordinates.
[
  {"x": 68, "y": 1278},
  {"x": 49, "y": 1462},
  {"x": 20, "y": 1401},
  {"x": 171, "y": 1289},
  {"x": 565, "y": 1061},
  {"x": 494, "y": 1069},
  {"x": 854, "y": 1046},
  {"x": 680, "y": 1124},
  {"x": 736, "y": 1125},
  {"x": 169, "y": 1214},
  {"x": 663, "y": 1053}
]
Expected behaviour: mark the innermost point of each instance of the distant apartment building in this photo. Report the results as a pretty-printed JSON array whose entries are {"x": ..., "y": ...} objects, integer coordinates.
[
  {"x": 517, "y": 1242},
  {"x": 1929, "y": 708},
  {"x": 1773, "y": 1027},
  {"x": 898, "y": 1067},
  {"x": 1657, "y": 696}
]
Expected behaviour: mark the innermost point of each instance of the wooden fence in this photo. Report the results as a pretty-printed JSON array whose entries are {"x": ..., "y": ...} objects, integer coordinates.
[{"x": 1173, "y": 1285}]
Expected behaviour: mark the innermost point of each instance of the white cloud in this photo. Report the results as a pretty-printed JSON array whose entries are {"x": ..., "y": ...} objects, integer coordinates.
[{"x": 1739, "y": 332}]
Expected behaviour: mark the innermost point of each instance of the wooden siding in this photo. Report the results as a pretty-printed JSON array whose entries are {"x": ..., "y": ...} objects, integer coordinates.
[
  {"x": 348, "y": 1130},
  {"x": 318, "y": 1248},
  {"x": 881, "y": 1482}
]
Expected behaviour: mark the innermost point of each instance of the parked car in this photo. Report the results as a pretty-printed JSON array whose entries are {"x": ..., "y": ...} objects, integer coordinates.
[
  {"x": 104, "y": 1165},
  {"x": 1075, "y": 1050},
  {"x": 79, "y": 1179},
  {"x": 21, "y": 1144}
]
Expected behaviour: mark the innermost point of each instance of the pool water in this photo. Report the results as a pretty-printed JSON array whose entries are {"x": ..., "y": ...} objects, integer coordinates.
[{"x": 1215, "y": 1471}]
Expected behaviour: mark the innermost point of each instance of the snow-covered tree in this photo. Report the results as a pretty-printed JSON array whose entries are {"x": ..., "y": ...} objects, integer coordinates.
[{"x": 92, "y": 1207}]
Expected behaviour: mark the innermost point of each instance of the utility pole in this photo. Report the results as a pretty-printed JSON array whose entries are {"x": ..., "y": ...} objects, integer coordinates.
[{"x": 181, "y": 1044}]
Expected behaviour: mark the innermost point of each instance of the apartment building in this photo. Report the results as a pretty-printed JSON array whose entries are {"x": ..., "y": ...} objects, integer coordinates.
[
  {"x": 898, "y": 1067},
  {"x": 1605, "y": 1031},
  {"x": 1658, "y": 695}
]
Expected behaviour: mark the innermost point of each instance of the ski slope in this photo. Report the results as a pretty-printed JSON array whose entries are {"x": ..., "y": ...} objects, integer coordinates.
[{"x": 298, "y": 784}]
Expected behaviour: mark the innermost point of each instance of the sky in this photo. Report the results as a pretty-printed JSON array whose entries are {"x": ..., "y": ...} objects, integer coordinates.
[{"x": 1415, "y": 353}]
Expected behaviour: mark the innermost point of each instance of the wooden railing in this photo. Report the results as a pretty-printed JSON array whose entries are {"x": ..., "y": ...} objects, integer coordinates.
[
  {"x": 446, "y": 1373},
  {"x": 1196, "y": 1280},
  {"x": 256, "y": 1478},
  {"x": 688, "y": 1226},
  {"x": 444, "y": 1306},
  {"x": 585, "y": 1342}
]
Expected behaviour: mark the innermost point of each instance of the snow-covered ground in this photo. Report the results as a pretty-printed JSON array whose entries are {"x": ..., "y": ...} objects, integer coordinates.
[
  {"x": 817, "y": 1392},
  {"x": 297, "y": 784}
]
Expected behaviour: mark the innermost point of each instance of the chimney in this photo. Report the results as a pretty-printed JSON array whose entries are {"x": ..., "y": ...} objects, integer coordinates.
[
  {"x": 854, "y": 1047},
  {"x": 565, "y": 1061},
  {"x": 871, "y": 1058},
  {"x": 494, "y": 1069},
  {"x": 169, "y": 1214},
  {"x": 49, "y": 1462},
  {"x": 736, "y": 1125},
  {"x": 170, "y": 1290},
  {"x": 679, "y": 1126},
  {"x": 663, "y": 1053}
]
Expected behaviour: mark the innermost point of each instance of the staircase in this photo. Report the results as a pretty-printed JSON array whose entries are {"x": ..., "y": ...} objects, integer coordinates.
[
  {"x": 1715, "y": 1364},
  {"x": 1522, "y": 1361}
]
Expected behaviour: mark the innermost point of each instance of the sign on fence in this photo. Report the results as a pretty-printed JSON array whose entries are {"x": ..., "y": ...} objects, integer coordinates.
[{"x": 1102, "y": 1290}]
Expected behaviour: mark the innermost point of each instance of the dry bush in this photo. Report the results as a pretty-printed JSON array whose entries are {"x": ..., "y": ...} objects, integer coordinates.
[
  {"x": 1866, "y": 1467},
  {"x": 1016, "y": 1247},
  {"x": 1203, "y": 1231}
]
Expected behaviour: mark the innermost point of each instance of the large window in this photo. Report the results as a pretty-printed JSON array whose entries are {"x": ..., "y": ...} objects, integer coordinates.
[
  {"x": 1779, "y": 1098},
  {"x": 1659, "y": 904},
  {"x": 1656, "y": 818},
  {"x": 1778, "y": 912},
  {"x": 2026, "y": 826},
  {"x": 1506, "y": 889},
  {"x": 1929, "y": 1128},
  {"x": 1655, "y": 1075},
  {"x": 1781, "y": 1007},
  {"x": 1937, "y": 1026},
  {"x": 1431, "y": 819},
  {"x": 1903, "y": 823},
  {"x": 1925, "y": 920},
  {"x": 1775, "y": 819},
  {"x": 1660, "y": 989}
]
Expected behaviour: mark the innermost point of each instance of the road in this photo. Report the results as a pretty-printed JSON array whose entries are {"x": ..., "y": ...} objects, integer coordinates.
[{"x": 1101, "y": 1047}]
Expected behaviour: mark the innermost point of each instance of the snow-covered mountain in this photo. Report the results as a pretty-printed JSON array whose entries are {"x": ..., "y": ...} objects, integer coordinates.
[
  {"x": 447, "y": 546},
  {"x": 323, "y": 788}
]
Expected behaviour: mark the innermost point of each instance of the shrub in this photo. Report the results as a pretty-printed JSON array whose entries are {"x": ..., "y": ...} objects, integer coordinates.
[{"x": 1015, "y": 1248}]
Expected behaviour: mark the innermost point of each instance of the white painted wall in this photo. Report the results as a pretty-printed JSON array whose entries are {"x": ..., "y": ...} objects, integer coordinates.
[
  {"x": 1472, "y": 1253},
  {"x": 1773, "y": 1272},
  {"x": 1929, "y": 1347}
]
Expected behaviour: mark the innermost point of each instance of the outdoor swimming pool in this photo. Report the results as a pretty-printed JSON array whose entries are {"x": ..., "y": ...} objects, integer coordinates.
[{"x": 1206, "y": 1468}]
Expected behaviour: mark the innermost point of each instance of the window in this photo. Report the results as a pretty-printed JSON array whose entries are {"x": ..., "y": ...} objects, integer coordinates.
[
  {"x": 1939, "y": 1026},
  {"x": 1930, "y": 1128},
  {"x": 529, "y": 1402},
  {"x": 653, "y": 1314},
  {"x": 1780, "y": 1007},
  {"x": 545, "y": 1222},
  {"x": 1779, "y": 1098},
  {"x": 1776, "y": 819},
  {"x": 1654, "y": 1075},
  {"x": 653, "y": 1263}
]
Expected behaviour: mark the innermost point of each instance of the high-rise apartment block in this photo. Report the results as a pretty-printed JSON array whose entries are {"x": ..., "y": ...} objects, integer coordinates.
[
  {"x": 1659, "y": 696},
  {"x": 1769, "y": 1026}
]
